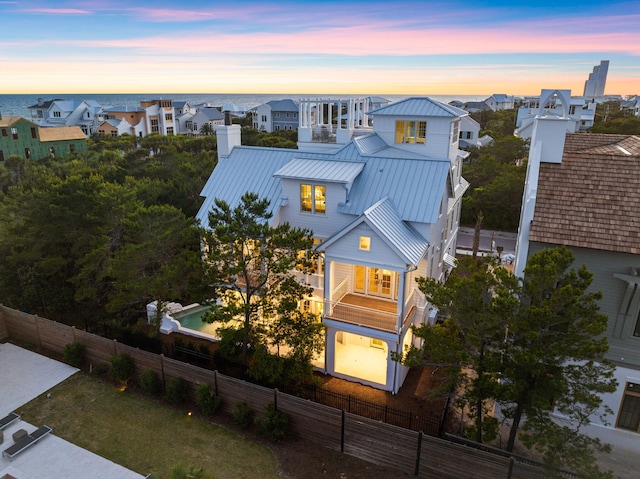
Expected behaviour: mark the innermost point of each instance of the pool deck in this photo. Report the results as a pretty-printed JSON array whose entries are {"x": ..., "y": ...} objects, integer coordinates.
[{"x": 25, "y": 375}]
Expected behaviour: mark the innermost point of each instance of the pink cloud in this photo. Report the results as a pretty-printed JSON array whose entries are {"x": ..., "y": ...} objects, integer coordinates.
[{"x": 374, "y": 40}]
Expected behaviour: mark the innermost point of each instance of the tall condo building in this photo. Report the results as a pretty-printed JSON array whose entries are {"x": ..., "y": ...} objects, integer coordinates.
[{"x": 594, "y": 86}]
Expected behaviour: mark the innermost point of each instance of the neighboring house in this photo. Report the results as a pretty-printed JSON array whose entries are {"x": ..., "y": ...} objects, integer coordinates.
[
  {"x": 276, "y": 115},
  {"x": 24, "y": 138},
  {"x": 475, "y": 106},
  {"x": 470, "y": 134},
  {"x": 206, "y": 115},
  {"x": 134, "y": 116},
  {"x": 583, "y": 191},
  {"x": 384, "y": 209},
  {"x": 86, "y": 114},
  {"x": 582, "y": 112},
  {"x": 159, "y": 117},
  {"x": 499, "y": 101},
  {"x": 631, "y": 105},
  {"x": 115, "y": 128}
]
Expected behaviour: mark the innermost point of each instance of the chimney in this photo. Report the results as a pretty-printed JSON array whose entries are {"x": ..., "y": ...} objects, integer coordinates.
[
  {"x": 551, "y": 125},
  {"x": 228, "y": 136}
]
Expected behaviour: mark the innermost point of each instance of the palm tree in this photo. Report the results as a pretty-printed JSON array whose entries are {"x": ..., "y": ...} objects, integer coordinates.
[{"x": 206, "y": 129}]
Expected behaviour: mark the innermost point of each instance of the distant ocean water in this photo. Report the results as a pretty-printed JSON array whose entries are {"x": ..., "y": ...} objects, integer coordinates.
[{"x": 18, "y": 105}]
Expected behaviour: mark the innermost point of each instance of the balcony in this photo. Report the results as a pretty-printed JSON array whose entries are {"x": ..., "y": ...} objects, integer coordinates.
[{"x": 369, "y": 312}]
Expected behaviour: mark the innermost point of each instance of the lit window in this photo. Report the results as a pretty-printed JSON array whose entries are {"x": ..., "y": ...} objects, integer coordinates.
[
  {"x": 365, "y": 243},
  {"x": 313, "y": 199},
  {"x": 320, "y": 199},
  {"x": 411, "y": 131}
]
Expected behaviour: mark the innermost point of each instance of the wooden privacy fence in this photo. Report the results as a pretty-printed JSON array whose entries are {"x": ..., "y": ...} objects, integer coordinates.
[{"x": 368, "y": 439}]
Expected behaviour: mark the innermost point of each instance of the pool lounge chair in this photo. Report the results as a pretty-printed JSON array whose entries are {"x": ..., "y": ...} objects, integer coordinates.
[
  {"x": 24, "y": 443},
  {"x": 8, "y": 419}
]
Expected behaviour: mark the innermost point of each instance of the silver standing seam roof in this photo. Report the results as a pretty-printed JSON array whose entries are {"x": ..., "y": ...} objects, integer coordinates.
[
  {"x": 383, "y": 218},
  {"x": 415, "y": 185},
  {"x": 419, "y": 106}
]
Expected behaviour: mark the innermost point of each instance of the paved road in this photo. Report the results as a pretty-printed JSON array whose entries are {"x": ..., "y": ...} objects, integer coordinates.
[{"x": 499, "y": 238}]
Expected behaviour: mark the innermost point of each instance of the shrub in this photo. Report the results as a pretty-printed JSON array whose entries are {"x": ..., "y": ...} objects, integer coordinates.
[
  {"x": 274, "y": 425},
  {"x": 122, "y": 367},
  {"x": 75, "y": 354},
  {"x": 207, "y": 400},
  {"x": 242, "y": 415},
  {"x": 176, "y": 391},
  {"x": 150, "y": 382}
]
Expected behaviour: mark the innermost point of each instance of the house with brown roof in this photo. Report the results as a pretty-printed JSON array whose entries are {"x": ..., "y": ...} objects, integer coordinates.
[
  {"x": 24, "y": 138},
  {"x": 583, "y": 191}
]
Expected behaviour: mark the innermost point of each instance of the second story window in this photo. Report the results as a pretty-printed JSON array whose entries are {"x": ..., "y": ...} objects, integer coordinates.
[
  {"x": 14, "y": 133},
  {"x": 411, "y": 131},
  {"x": 56, "y": 114},
  {"x": 313, "y": 199}
]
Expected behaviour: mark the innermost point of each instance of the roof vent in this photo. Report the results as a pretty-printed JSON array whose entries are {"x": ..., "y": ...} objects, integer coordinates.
[{"x": 227, "y": 117}]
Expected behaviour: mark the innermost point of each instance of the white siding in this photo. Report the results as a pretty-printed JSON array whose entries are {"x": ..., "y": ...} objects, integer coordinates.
[
  {"x": 322, "y": 225},
  {"x": 348, "y": 250}
]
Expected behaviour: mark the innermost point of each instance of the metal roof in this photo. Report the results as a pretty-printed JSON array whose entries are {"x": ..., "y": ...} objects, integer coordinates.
[
  {"x": 422, "y": 106},
  {"x": 400, "y": 236},
  {"x": 324, "y": 170},
  {"x": 283, "y": 105}
]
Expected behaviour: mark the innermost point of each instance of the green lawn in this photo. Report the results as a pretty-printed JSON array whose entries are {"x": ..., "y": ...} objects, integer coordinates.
[{"x": 144, "y": 435}]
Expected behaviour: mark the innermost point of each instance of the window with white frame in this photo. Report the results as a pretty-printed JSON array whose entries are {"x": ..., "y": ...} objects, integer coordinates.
[
  {"x": 365, "y": 243},
  {"x": 313, "y": 199}
]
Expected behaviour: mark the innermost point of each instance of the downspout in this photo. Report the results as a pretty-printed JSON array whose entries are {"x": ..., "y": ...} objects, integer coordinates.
[{"x": 410, "y": 269}]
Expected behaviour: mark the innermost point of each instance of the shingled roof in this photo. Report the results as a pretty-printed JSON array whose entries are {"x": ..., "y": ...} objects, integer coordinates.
[{"x": 591, "y": 199}]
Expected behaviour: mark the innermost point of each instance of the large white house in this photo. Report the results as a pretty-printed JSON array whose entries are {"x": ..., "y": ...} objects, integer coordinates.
[{"x": 383, "y": 203}]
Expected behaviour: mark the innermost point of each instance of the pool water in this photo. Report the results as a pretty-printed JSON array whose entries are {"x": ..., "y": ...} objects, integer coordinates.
[{"x": 192, "y": 319}]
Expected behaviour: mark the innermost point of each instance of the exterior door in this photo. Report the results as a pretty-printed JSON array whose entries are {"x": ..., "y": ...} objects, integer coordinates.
[{"x": 375, "y": 281}]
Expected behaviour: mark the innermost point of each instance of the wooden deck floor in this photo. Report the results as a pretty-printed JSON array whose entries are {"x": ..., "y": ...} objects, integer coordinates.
[{"x": 370, "y": 302}]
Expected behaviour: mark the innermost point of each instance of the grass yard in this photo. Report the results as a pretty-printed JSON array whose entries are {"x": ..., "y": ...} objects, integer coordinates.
[{"x": 144, "y": 435}]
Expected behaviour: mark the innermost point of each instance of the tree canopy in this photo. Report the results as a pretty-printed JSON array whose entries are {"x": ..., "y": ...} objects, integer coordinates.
[
  {"x": 251, "y": 267},
  {"x": 531, "y": 345}
]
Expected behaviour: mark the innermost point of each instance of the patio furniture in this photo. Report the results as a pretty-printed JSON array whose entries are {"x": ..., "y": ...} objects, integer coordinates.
[
  {"x": 8, "y": 419},
  {"x": 26, "y": 441}
]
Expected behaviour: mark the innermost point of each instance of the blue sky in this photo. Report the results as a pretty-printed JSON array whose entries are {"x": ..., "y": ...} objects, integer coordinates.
[{"x": 371, "y": 47}]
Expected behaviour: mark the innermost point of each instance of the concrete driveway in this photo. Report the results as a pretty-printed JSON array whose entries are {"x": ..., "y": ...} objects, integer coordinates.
[{"x": 25, "y": 375}]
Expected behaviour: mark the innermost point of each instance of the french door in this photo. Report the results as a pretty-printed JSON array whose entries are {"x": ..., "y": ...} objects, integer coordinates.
[{"x": 375, "y": 282}]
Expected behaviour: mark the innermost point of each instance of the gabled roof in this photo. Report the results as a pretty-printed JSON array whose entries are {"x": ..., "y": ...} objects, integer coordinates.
[
  {"x": 45, "y": 104},
  {"x": 419, "y": 106},
  {"x": 61, "y": 133},
  {"x": 591, "y": 198},
  {"x": 211, "y": 113},
  {"x": 8, "y": 120},
  {"x": 321, "y": 170},
  {"x": 283, "y": 105},
  {"x": 384, "y": 220}
]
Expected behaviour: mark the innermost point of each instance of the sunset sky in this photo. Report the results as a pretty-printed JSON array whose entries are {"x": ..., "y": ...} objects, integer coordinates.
[{"x": 340, "y": 47}]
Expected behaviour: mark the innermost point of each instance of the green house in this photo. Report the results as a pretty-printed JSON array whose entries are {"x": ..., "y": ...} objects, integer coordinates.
[{"x": 21, "y": 137}]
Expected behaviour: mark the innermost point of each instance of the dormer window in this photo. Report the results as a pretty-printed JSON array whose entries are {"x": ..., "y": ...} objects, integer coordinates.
[
  {"x": 313, "y": 199},
  {"x": 411, "y": 131}
]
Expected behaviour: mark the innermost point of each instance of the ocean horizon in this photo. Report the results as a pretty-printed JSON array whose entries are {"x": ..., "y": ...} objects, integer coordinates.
[{"x": 18, "y": 104}]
